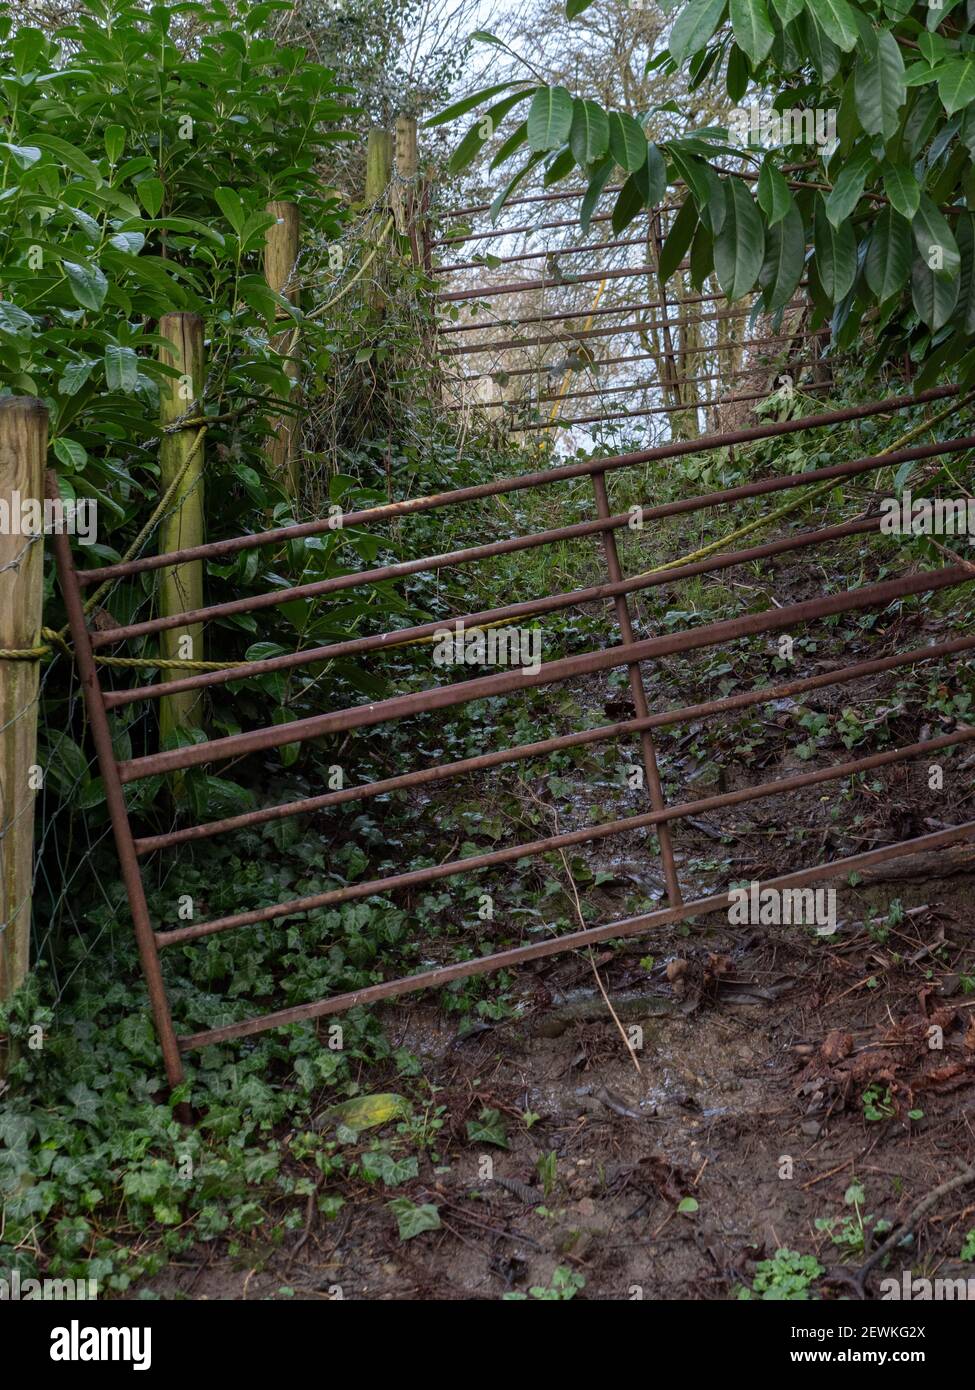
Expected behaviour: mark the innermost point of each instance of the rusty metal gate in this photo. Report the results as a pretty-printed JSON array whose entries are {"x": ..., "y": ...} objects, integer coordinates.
[{"x": 627, "y": 652}]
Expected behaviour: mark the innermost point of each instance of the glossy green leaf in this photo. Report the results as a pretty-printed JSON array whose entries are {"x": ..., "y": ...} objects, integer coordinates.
[
  {"x": 739, "y": 248},
  {"x": 752, "y": 28},
  {"x": 902, "y": 188},
  {"x": 549, "y": 119},
  {"x": 888, "y": 262},
  {"x": 693, "y": 27},
  {"x": 774, "y": 197},
  {"x": 880, "y": 87},
  {"x": 589, "y": 132},
  {"x": 785, "y": 254},
  {"x": 678, "y": 239},
  {"x": 935, "y": 243},
  {"x": 836, "y": 254},
  {"x": 627, "y": 141}
]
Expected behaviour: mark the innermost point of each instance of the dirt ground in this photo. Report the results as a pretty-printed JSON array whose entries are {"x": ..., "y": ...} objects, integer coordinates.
[{"x": 754, "y": 1058}]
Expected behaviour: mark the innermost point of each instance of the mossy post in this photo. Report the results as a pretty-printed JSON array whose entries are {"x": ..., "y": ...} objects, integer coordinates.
[
  {"x": 406, "y": 200},
  {"x": 23, "y": 449},
  {"x": 379, "y": 162},
  {"x": 181, "y": 453},
  {"x": 281, "y": 248}
]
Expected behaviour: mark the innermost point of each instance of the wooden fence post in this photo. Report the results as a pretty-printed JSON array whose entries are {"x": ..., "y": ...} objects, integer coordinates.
[
  {"x": 406, "y": 200},
  {"x": 23, "y": 450},
  {"x": 379, "y": 159},
  {"x": 181, "y": 452},
  {"x": 280, "y": 260}
]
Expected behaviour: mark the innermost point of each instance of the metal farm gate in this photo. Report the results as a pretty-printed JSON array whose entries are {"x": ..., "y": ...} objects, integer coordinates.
[{"x": 621, "y": 650}]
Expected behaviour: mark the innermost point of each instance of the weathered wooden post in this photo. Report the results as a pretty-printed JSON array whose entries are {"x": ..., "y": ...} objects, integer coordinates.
[
  {"x": 23, "y": 449},
  {"x": 280, "y": 262},
  {"x": 405, "y": 190},
  {"x": 379, "y": 159},
  {"x": 181, "y": 452}
]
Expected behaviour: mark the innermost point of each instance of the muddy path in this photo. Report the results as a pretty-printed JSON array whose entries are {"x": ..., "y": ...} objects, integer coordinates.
[{"x": 744, "y": 1131}]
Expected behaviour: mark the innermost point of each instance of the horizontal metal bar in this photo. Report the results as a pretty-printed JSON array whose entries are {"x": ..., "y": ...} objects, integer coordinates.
[
  {"x": 561, "y": 424},
  {"x": 554, "y": 252},
  {"x": 540, "y": 369},
  {"x": 451, "y": 559},
  {"x": 542, "y": 748},
  {"x": 503, "y": 683},
  {"x": 535, "y": 607},
  {"x": 413, "y": 878},
  {"x": 517, "y": 231},
  {"x": 474, "y": 325},
  {"x": 526, "y": 198},
  {"x": 519, "y": 482},
  {"x": 656, "y": 385},
  {"x": 609, "y": 931},
  {"x": 614, "y": 330},
  {"x": 546, "y": 283}
]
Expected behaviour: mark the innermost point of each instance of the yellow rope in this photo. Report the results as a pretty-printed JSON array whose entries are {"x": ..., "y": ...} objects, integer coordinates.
[
  {"x": 798, "y": 502},
  {"x": 163, "y": 664}
]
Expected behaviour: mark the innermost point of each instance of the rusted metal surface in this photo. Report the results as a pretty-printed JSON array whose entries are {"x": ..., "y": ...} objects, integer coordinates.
[
  {"x": 613, "y": 330},
  {"x": 532, "y": 227},
  {"x": 549, "y": 282},
  {"x": 416, "y": 878},
  {"x": 395, "y": 637},
  {"x": 639, "y": 386},
  {"x": 214, "y": 550},
  {"x": 583, "y": 664},
  {"x": 490, "y": 550},
  {"x": 630, "y": 654},
  {"x": 561, "y": 423},
  {"x": 115, "y": 797},
  {"x": 475, "y": 324},
  {"x": 537, "y": 950},
  {"x": 603, "y": 733},
  {"x": 551, "y": 253},
  {"x": 711, "y": 349}
]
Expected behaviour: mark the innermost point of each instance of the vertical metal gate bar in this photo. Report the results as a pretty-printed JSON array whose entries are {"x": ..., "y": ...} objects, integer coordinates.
[
  {"x": 115, "y": 798},
  {"x": 638, "y": 691}
]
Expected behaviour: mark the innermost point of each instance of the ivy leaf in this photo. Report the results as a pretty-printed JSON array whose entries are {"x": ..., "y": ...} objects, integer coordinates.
[
  {"x": 589, "y": 132},
  {"x": 488, "y": 1129},
  {"x": 879, "y": 87},
  {"x": 549, "y": 119},
  {"x": 413, "y": 1220},
  {"x": 739, "y": 248},
  {"x": 752, "y": 27},
  {"x": 693, "y": 27},
  {"x": 627, "y": 141}
]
